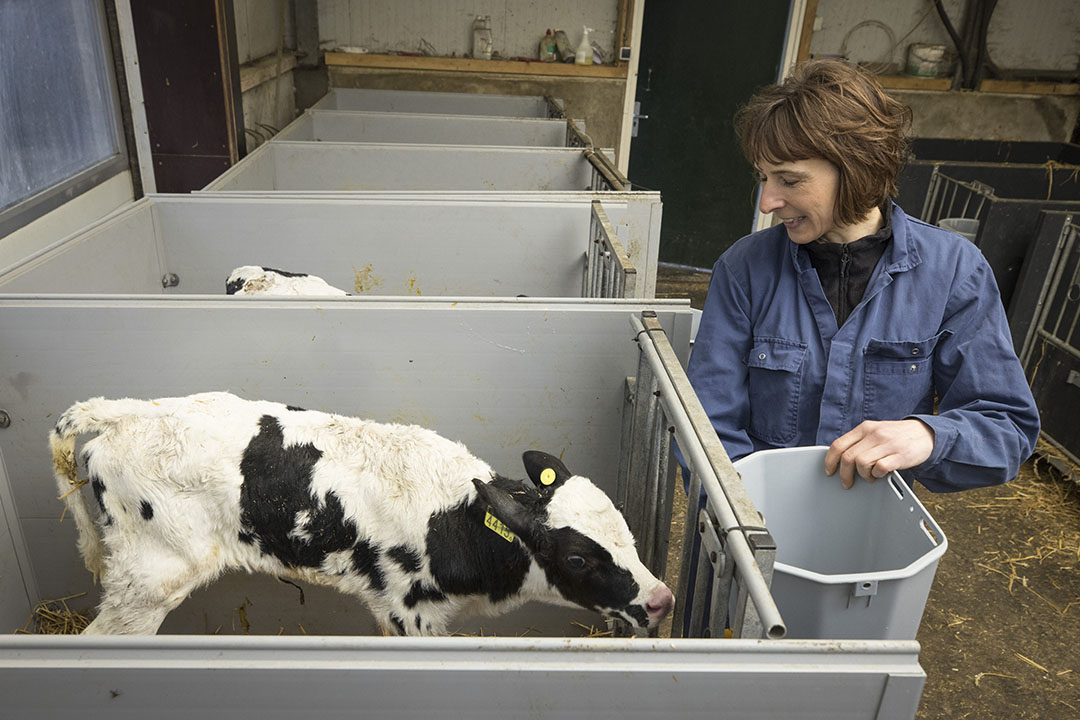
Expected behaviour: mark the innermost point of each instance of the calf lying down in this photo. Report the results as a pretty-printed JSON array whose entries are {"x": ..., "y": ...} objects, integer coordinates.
[
  {"x": 255, "y": 280},
  {"x": 411, "y": 522}
]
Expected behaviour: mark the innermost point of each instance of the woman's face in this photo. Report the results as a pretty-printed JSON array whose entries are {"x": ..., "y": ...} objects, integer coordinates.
[{"x": 802, "y": 193}]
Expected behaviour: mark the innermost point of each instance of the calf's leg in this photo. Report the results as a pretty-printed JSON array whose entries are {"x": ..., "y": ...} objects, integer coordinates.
[{"x": 138, "y": 593}]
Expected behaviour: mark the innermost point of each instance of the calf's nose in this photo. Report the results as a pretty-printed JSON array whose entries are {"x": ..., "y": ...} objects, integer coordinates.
[{"x": 660, "y": 604}]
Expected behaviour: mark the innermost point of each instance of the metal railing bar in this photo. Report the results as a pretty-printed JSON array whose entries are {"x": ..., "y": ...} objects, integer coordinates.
[
  {"x": 1058, "y": 343},
  {"x": 723, "y": 497}
]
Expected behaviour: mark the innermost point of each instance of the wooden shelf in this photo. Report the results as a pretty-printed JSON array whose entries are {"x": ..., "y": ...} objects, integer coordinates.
[
  {"x": 906, "y": 82},
  {"x": 1016, "y": 87},
  {"x": 1022, "y": 87},
  {"x": 514, "y": 67}
]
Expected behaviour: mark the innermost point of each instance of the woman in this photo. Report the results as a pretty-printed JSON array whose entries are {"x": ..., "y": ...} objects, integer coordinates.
[{"x": 840, "y": 325}]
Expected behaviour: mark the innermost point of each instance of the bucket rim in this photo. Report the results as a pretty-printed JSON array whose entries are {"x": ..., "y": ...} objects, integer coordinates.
[{"x": 929, "y": 558}]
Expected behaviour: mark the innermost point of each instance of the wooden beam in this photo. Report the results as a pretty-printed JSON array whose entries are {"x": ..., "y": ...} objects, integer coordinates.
[
  {"x": 620, "y": 31},
  {"x": 265, "y": 68},
  {"x": 807, "y": 30},
  {"x": 905, "y": 82},
  {"x": 513, "y": 67},
  {"x": 1023, "y": 87}
]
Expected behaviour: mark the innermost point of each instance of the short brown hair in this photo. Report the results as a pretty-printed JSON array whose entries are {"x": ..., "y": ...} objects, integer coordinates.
[{"x": 831, "y": 110}]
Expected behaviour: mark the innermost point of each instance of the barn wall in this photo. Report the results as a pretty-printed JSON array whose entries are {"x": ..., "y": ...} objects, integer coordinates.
[
  {"x": 444, "y": 27},
  {"x": 1024, "y": 40},
  {"x": 266, "y": 49},
  {"x": 1022, "y": 35}
]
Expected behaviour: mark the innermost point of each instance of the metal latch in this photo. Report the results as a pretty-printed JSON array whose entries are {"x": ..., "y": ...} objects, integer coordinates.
[{"x": 637, "y": 114}]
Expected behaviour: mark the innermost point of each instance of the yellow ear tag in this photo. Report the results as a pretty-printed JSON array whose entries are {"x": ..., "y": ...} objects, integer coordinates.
[
  {"x": 495, "y": 525},
  {"x": 547, "y": 476}
]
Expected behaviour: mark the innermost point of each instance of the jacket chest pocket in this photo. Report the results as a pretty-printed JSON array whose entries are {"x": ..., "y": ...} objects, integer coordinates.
[
  {"x": 774, "y": 370},
  {"x": 898, "y": 377}
]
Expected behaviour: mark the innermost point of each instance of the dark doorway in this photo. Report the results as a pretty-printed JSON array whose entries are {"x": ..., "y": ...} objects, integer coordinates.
[
  {"x": 191, "y": 88},
  {"x": 700, "y": 60}
]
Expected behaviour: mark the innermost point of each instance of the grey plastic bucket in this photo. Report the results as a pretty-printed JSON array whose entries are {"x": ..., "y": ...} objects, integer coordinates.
[
  {"x": 854, "y": 563},
  {"x": 966, "y": 227}
]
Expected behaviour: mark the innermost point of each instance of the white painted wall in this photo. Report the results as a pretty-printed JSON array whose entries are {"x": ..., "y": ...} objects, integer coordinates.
[
  {"x": 1022, "y": 34},
  {"x": 444, "y": 27}
]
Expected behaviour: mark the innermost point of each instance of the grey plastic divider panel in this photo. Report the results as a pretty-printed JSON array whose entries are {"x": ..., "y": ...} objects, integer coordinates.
[
  {"x": 497, "y": 678},
  {"x": 379, "y": 245},
  {"x": 638, "y": 226},
  {"x": 502, "y": 377},
  {"x": 375, "y": 127},
  {"x": 498, "y": 375},
  {"x": 125, "y": 257},
  {"x": 18, "y": 588},
  {"x": 443, "y": 103},
  {"x": 347, "y": 166}
]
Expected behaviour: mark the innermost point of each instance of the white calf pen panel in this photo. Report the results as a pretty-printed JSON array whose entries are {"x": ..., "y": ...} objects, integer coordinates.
[
  {"x": 355, "y": 166},
  {"x": 369, "y": 246},
  {"x": 502, "y": 378},
  {"x": 442, "y": 103},
  {"x": 379, "y": 127}
]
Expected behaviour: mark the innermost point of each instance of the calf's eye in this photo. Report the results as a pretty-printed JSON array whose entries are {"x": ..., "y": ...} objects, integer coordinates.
[{"x": 576, "y": 562}]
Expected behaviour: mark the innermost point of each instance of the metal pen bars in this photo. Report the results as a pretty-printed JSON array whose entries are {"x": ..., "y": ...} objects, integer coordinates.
[
  {"x": 1061, "y": 311},
  {"x": 608, "y": 270},
  {"x": 947, "y": 197},
  {"x": 605, "y": 176},
  {"x": 661, "y": 404}
]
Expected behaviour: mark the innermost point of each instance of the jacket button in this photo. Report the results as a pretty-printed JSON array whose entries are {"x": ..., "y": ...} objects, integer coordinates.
[
  {"x": 914, "y": 368},
  {"x": 761, "y": 356},
  {"x": 914, "y": 351}
]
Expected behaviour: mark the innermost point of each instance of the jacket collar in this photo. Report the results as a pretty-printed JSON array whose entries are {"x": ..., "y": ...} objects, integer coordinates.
[{"x": 900, "y": 256}]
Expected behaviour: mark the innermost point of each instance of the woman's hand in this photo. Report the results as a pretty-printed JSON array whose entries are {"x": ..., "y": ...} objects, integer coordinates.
[{"x": 873, "y": 449}]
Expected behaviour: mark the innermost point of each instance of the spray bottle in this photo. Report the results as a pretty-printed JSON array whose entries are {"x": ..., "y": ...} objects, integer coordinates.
[{"x": 584, "y": 50}]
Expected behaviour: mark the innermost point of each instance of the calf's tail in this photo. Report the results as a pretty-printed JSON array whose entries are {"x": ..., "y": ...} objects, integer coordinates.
[{"x": 83, "y": 417}]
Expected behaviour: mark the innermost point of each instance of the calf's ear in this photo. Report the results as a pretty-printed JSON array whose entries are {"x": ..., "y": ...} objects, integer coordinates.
[
  {"x": 546, "y": 471},
  {"x": 514, "y": 515}
]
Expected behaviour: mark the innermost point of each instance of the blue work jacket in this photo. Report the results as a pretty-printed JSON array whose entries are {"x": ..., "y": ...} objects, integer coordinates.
[{"x": 772, "y": 369}]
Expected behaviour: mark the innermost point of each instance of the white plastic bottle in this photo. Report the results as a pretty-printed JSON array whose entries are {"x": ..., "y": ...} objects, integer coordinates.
[
  {"x": 584, "y": 50},
  {"x": 482, "y": 41}
]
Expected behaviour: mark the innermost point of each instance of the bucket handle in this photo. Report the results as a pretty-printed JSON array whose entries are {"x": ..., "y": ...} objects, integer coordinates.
[
  {"x": 897, "y": 484},
  {"x": 929, "y": 532}
]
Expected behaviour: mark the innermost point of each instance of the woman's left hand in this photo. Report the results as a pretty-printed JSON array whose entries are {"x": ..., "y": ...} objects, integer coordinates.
[{"x": 874, "y": 448}]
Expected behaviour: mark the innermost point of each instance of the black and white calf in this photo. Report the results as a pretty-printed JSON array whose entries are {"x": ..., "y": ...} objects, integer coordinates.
[
  {"x": 411, "y": 522},
  {"x": 255, "y": 280}
]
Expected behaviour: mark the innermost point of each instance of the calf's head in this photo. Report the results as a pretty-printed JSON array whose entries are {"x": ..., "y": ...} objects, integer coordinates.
[{"x": 581, "y": 541}]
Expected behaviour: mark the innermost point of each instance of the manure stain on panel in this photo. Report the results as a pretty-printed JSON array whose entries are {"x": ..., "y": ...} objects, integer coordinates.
[{"x": 365, "y": 279}]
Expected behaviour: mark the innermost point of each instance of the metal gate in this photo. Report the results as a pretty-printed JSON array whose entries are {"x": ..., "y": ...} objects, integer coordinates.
[
  {"x": 1052, "y": 358},
  {"x": 947, "y": 197},
  {"x": 608, "y": 270},
  {"x": 661, "y": 405}
]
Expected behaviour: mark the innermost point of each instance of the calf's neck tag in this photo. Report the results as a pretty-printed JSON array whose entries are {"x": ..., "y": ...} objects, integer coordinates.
[{"x": 495, "y": 525}]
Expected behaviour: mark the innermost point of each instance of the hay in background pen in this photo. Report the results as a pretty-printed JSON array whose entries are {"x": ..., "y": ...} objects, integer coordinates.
[{"x": 54, "y": 617}]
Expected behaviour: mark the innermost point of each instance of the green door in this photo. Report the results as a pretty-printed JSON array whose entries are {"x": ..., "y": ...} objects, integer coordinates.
[{"x": 701, "y": 60}]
